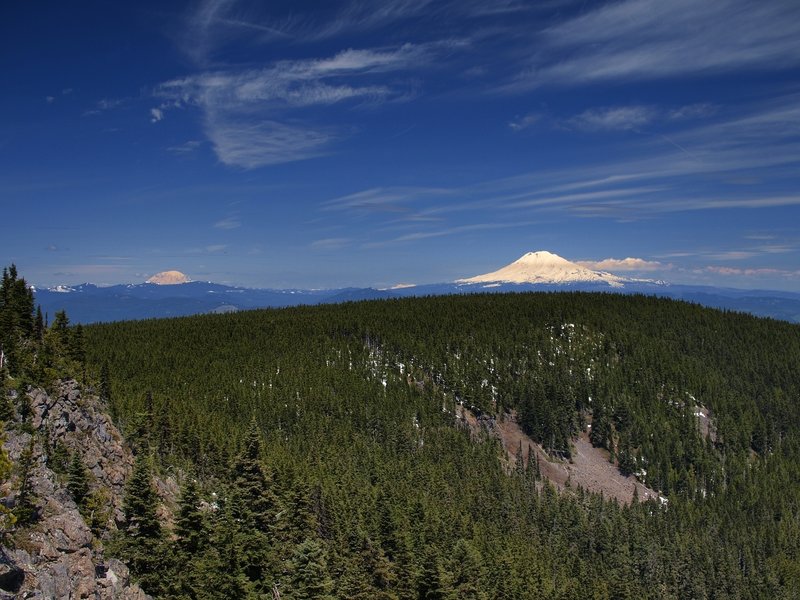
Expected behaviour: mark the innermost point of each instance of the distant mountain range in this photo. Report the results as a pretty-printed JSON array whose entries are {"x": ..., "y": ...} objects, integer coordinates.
[{"x": 173, "y": 294}]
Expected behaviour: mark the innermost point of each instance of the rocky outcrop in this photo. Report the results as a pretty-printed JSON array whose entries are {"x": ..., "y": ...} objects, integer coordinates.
[
  {"x": 57, "y": 556},
  {"x": 82, "y": 425}
]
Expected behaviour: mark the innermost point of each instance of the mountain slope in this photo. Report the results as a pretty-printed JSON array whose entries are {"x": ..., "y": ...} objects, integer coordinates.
[{"x": 358, "y": 403}]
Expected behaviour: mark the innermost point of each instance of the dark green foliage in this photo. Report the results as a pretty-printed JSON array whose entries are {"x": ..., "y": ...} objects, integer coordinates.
[
  {"x": 466, "y": 572},
  {"x": 191, "y": 542},
  {"x": 105, "y": 383},
  {"x": 429, "y": 586},
  {"x": 141, "y": 542},
  {"x": 78, "y": 480},
  {"x": 356, "y": 469},
  {"x": 221, "y": 572},
  {"x": 27, "y": 349},
  {"x": 6, "y": 406},
  {"x": 190, "y": 527},
  {"x": 58, "y": 458},
  {"x": 309, "y": 577},
  {"x": 141, "y": 502},
  {"x": 25, "y": 508},
  {"x": 16, "y": 321}
]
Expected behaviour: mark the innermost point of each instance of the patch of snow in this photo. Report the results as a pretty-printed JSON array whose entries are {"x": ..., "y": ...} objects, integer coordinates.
[{"x": 61, "y": 289}]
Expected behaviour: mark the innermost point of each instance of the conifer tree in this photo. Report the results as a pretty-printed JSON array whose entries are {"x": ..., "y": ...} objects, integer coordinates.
[
  {"x": 254, "y": 507},
  {"x": 105, "y": 383},
  {"x": 142, "y": 537},
  {"x": 466, "y": 572},
  {"x": 309, "y": 578},
  {"x": 7, "y": 518},
  {"x": 190, "y": 527},
  {"x": 429, "y": 586},
  {"x": 251, "y": 483},
  {"x": 6, "y": 406},
  {"x": 221, "y": 573},
  {"x": 25, "y": 510},
  {"x": 77, "y": 480},
  {"x": 38, "y": 328},
  {"x": 191, "y": 541}
]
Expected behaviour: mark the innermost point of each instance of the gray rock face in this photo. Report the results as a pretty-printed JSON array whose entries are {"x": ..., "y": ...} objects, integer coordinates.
[
  {"x": 83, "y": 426},
  {"x": 57, "y": 556}
]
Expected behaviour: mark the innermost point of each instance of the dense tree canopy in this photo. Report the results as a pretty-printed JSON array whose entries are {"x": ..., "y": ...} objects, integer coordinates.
[{"x": 331, "y": 433}]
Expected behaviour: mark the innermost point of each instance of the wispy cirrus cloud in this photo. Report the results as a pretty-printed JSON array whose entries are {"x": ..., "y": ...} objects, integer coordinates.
[
  {"x": 254, "y": 117},
  {"x": 613, "y": 118},
  {"x": 228, "y": 223},
  {"x": 635, "y": 117},
  {"x": 448, "y": 231},
  {"x": 359, "y": 16},
  {"x": 299, "y": 83},
  {"x": 383, "y": 200},
  {"x": 103, "y": 105},
  {"x": 331, "y": 243},
  {"x": 525, "y": 121},
  {"x": 187, "y": 147},
  {"x": 749, "y": 272},
  {"x": 658, "y": 179},
  {"x": 240, "y": 142},
  {"x": 649, "y": 39}
]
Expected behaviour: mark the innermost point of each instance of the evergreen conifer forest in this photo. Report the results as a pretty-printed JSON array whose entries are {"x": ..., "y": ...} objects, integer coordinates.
[{"x": 324, "y": 456}]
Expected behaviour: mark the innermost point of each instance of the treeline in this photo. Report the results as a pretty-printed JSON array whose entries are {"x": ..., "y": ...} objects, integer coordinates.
[
  {"x": 326, "y": 458},
  {"x": 32, "y": 351}
]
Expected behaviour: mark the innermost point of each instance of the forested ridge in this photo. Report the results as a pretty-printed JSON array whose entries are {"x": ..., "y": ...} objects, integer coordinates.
[{"x": 340, "y": 422}]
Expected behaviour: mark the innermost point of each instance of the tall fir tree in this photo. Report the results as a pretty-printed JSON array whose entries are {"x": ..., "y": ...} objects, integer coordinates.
[
  {"x": 142, "y": 536},
  {"x": 77, "y": 480},
  {"x": 25, "y": 509},
  {"x": 255, "y": 507},
  {"x": 308, "y": 574}
]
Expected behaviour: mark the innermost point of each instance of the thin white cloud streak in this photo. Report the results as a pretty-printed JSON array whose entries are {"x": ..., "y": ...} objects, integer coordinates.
[
  {"x": 394, "y": 200},
  {"x": 228, "y": 223},
  {"x": 613, "y": 118},
  {"x": 650, "y": 39},
  {"x": 624, "y": 264},
  {"x": 424, "y": 235},
  {"x": 749, "y": 272},
  {"x": 524, "y": 122},
  {"x": 538, "y": 200},
  {"x": 634, "y": 117},
  {"x": 362, "y": 15},
  {"x": 331, "y": 243},
  {"x": 186, "y": 148}
]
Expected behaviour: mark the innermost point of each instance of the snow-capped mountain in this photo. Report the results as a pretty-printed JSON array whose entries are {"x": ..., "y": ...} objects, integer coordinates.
[
  {"x": 549, "y": 269},
  {"x": 169, "y": 278},
  {"x": 534, "y": 272}
]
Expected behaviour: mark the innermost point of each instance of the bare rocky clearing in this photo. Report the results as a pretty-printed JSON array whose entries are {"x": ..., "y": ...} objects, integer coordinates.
[{"x": 589, "y": 467}]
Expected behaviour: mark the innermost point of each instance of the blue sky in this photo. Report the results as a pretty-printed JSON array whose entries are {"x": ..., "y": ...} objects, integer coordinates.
[{"x": 300, "y": 144}]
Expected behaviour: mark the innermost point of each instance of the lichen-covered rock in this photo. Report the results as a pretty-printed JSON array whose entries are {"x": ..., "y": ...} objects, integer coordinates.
[
  {"x": 56, "y": 556},
  {"x": 82, "y": 425}
]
